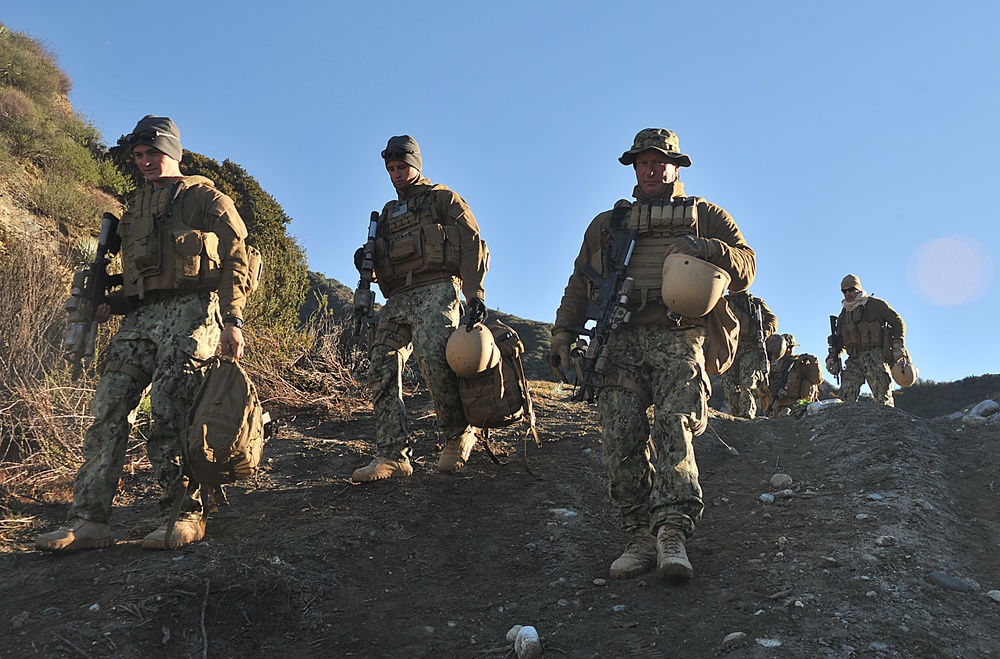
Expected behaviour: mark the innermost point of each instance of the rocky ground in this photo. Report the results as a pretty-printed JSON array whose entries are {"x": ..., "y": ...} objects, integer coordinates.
[{"x": 883, "y": 544}]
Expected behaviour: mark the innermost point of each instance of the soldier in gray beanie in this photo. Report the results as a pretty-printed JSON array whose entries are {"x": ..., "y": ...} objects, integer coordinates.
[
  {"x": 158, "y": 132},
  {"x": 428, "y": 250}
]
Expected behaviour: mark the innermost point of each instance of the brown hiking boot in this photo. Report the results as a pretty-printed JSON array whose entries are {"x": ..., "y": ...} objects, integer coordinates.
[
  {"x": 638, "y": 557},
  {"x": 380, "y": 468},
  {"x": 456, "y": 452},
  {"x": 671, "y": 561},
  {"x": 77, "y": 534},
  {"x": 185, "y": 532}
]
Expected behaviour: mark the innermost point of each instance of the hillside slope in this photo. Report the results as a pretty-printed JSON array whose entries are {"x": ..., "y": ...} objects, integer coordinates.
[{"x": 305, "y": 564}]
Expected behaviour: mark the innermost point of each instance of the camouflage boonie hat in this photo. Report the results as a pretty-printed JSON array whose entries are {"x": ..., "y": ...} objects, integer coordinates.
[
  {"x": 790, "y": 340},
  {"x": 661, "y": 139}
]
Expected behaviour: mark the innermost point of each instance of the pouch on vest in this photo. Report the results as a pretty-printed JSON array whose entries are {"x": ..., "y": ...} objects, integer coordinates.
[
  {"x": 499, "y": 397},
  {"x": 225, "y": 432}
]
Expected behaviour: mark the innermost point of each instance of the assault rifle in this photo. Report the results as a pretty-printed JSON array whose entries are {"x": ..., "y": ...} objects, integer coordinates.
[
  {"x": 608, "y": 306},
  {"x": 364, "y": 296},
  {"x": 836, "y": 346},
  {"x": 761, "y": 342},
  {"x": 91, "y": 286}
]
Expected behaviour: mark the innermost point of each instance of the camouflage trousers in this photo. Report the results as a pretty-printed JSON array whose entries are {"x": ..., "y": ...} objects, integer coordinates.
[
  {"x": 430, "y": 313},
  {"x": 159, "y": 344},
  {"x": 654, "y": 476},
  {"x": 741, "y": 381},
  {"x": 868, "y": 365}
]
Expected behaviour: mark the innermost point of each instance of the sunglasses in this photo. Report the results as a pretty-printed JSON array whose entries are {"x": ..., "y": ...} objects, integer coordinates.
[
  {"x": 396, "y": 154},
  {"x": 845, "y": 291},
  {"x": 132, "y": 138}
]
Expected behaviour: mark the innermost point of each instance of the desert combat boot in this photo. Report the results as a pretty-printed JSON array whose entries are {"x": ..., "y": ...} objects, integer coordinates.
[
  {"x": 381, "y": 467},
  {"x": 185, "y": 532},
  {"x": 456, "y": 452},
  {"x": 638, "y": 557},
  {"x": 671, "y": 559},
  {"x": 78, "y": 533}
]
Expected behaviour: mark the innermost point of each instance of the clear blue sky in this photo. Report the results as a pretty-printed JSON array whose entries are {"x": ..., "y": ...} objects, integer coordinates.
[{"x": 843, "y": 137}]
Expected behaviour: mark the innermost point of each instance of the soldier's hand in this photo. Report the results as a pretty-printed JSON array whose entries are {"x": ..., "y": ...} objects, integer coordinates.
[
  {"x": 703, "y": 248},
  {"x": 476, "y": 313},
  {"x": 558, "y": 358},
  {"x": 359, "y": 258},
  {"x": 898, "y": 351},
  {"x": 232, "y": 341},
  {"x": 102, "y": 313},
  {"x": 833, "y": 365}
]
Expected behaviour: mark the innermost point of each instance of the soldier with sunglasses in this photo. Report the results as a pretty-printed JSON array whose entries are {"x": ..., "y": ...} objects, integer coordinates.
[
  {"x": 872, "y": 333},
  {"x": 185, "y": 285}
]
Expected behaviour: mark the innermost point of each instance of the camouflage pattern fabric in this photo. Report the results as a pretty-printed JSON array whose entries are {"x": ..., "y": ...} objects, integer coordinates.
[
  {"x": 432, "y": 314},
  {"x": 741, "y": 381},
  {"x": 654, "y": 476},
  {"x": 867, "y": 365},
  {"x": 161, "y": 339}
]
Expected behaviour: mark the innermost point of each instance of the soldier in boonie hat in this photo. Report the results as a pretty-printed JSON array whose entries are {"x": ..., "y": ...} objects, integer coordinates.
[
  {"x": 661, "y": 139},
  {"x": 658, "y": 358},
  {"x": 790, "y": 340}
]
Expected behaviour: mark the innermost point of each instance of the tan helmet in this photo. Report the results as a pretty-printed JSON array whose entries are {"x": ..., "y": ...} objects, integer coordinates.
[
  {"x": 472, "y": 353},
  {"x": 904, "y": 373},
  {"x": 776, "y": 346},
  {"x": 691, "y": 286}
]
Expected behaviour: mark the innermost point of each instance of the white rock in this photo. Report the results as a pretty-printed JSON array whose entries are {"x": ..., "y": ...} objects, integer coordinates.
[
  {"x": 993, "y": 420},
  {"x": 781, "y": 481},
  {"x": 769, "y": 642},
  {"x": 766, "y": 498},
  {"x": 955, "y": 416},
  {"x": 994, "y": 595},
  {"x": 527, "y": 644},
  {"x": 733, "y": 639},
  {"x": 820, "y": 405},
  {"x": 985, "y": 408},
  {"x": 512, "y": 634}
]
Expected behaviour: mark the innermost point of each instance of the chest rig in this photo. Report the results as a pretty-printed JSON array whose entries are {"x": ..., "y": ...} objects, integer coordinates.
[
  {"x": 860, "y": 332},
  {"x": 160, "y": 250},
  {"x": 658, "y": 225},
  {"x": 414, "y": 242}
]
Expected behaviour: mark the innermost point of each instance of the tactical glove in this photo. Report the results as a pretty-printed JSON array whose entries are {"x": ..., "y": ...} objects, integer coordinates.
[
  {"x": 558, "y": 358},
  {"x": 359, "y": 258},
  {"x": 898, "y": 351},
  {"x": 476, "y": 313},
  {"x": 833, "y": 365},
  {"x": 703, "y": 248}
]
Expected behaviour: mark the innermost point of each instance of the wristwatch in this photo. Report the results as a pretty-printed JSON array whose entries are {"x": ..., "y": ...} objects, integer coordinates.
[{"x": 234, "y": 321}]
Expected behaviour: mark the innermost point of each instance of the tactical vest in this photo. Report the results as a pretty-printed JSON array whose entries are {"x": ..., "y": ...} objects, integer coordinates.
[
  {"x": 740, "y": 306},
  {"x": 857, "y": 332},
  {"x": 161, "y": 250},
  {"x": 658, "y": 225},
  {"x": 414, "y": 241}
]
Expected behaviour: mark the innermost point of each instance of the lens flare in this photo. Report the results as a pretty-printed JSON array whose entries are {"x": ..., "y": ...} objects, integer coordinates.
[{"x": 950, "y": 271}]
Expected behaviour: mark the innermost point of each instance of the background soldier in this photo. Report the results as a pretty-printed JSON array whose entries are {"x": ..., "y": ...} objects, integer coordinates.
[
  {"x": 794, "y": 378},
  {"x": 749, "y": 369},
  {"x": 872, "y": 333},
  {"x": 657, "y": 359},
  {"x": 172, "y": 299},
  {"x": 427, "y": 249}
]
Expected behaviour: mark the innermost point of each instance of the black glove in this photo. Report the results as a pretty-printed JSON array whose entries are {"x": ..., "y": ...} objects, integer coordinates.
[
  {"x": 702, "y": 248},
  {"x": 359, "y": 258},
  {"x": 476, "y": 313}
]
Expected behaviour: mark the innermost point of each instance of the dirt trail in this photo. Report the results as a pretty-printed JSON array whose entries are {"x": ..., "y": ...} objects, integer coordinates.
[{"x": 302, "y": 563}]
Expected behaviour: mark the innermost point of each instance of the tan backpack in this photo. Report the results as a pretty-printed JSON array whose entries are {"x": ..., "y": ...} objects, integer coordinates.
[
  {"x": 225, "y": 433},
  {"x": 499, "y": 397}
]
